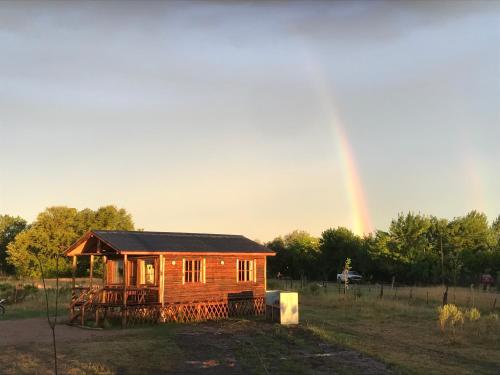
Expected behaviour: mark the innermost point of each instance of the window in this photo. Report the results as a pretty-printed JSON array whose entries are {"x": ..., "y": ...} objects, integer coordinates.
[
  {"x": 246, "y": 270},
  {"x": 193, "y": 270},
  {"x": 147, "y": 271}
]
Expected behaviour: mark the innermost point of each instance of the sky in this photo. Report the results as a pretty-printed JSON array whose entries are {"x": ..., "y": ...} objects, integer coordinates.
[{"x": 255, "y": 118}]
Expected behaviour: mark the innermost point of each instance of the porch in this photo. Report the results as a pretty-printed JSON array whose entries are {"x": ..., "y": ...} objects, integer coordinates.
[
  {"x": 125, "y": 280},
  {"x": 121, "y": 281}
]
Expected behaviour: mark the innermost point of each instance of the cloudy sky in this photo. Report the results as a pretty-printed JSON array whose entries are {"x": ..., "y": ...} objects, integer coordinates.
[{"x": 251, "y": 117}]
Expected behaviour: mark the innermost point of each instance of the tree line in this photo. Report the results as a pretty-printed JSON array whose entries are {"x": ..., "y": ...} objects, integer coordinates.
[
  {"x": 415, "y": 249},
  {"x": 54, "y": 230}
]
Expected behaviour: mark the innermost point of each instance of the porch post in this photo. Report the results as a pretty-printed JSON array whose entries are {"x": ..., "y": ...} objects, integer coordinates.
[
  {"x": 73, "y": 271},
  {"x": 125, "y": 282},
  {"x": 161, "y": 289},
  {"x": 104, "y": 270},
  {"x": 91, "y": 269}
]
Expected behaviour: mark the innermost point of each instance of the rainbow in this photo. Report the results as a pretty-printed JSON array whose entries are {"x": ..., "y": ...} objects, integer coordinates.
[
  {"x": 475, "y": 180},
  {"x": 360, "y": 217},
  {"x": 361, "y": 222}
]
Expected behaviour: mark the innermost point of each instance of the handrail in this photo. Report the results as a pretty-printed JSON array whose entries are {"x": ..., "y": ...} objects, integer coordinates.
[
  {"x": 113, "y": 295},
  {"x": 86, "y": 297}
]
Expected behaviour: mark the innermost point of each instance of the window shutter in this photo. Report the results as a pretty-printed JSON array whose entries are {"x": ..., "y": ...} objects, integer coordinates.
[
  {"x": 237, "y": 270},
  {"x": 142, "y": 271},
  {"x": 183, "y": 270},
  {"x": 204, "y": 270},
  {"x": 109, "y": 272},
  {"x": 255, "y": 270}
]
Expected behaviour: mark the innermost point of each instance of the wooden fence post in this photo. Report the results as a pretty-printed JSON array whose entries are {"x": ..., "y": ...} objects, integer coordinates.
[
  {"x": 73, "y": 271},
  {"x": 91, "y": 270},
  {"x": 445, "y": 296},
  {"x": 125, "y": 281}
]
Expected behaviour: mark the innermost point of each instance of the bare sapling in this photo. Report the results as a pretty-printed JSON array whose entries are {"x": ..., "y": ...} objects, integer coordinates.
[
  {"x": 52, "y": 322},
  {"x": 347, "y": 268}
]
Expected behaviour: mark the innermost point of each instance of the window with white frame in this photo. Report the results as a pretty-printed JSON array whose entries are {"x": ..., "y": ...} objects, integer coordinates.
[
  {"x": 193, "y": 271},
  {"x": 147, "y": 271},
  {"x": 246, "y": 270}
]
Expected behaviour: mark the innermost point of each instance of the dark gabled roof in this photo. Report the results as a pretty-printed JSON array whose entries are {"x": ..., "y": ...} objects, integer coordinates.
[{"x": 179, "y": 242}]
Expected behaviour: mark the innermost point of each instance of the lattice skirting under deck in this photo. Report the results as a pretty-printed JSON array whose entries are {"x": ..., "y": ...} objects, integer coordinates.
[{"x": 194, "y": 312}]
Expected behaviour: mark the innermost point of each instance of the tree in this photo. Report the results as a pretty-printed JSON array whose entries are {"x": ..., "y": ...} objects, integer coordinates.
[
  {"x": 55, "y": 229},
  {"x": 409, "y": 241},
  {"x": 304, "y": 249},
  {"x": 335, "y": 246},
  {"x": 473, "y": 241},
  {"x": 279, "y": 262},
  {"x": 296, "y": 254},
  {"x": 10, "y": 227},
  {"x": 384, "y": 264}
]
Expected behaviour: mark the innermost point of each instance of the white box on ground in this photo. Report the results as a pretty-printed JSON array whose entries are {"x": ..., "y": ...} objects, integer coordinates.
[{"x": 282, "y": 307}]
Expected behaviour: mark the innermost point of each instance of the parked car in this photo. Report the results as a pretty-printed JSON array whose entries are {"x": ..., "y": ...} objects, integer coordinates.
[{"x": 352, "y": 276}]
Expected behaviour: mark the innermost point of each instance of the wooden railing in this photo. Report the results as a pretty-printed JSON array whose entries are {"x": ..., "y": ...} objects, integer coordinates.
[
  {"x": 80, "y": 295},
  {"x": 113, "y": 295}
]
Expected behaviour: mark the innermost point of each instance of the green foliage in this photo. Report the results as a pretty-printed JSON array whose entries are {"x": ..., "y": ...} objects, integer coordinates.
[
  {"x": 16, "y": 294},
  {"x": 415, "y": 249},
  {"x": 55, "y": 229},
  {"x": 296, "y": 255},
  {"x": 314, "y": 289},
  {"x": 472, "y": 314},
  {"x": 450, "y": 316},
  {"x": 10, "y": 227},
  {"x": 338, "y": 244}
]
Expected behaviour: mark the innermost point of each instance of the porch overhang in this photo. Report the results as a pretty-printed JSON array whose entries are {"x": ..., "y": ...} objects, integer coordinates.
[{"x": 90, "y": 244}]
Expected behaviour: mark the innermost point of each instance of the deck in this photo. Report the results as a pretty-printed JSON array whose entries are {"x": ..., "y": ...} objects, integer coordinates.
[{"x": 142, "y": 305}]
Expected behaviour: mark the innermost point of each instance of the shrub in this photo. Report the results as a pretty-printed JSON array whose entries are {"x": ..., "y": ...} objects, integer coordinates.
[
  {"x": 472, "y": 314},
  {"x": 314, "y": 289},
  {"x": 450, "y": 315},
  {"x": 6, "y": 290},
  {"x": 15, "y": 294},
  {"x": 492, "y": 317}
]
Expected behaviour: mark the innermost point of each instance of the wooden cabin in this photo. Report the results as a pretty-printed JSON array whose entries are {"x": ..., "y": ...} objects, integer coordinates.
[{"x": 163, "y": 276}]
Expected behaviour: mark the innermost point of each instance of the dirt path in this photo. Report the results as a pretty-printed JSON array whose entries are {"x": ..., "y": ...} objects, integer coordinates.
[
  {"x": 36, "y": 330},
  {"x": 230, "y": 347},
  {"x": 211, "y": 348}
]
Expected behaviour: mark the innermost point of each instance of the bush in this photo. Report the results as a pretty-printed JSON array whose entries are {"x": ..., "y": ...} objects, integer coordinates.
[
  {"x": 314, "y": 289},
  {"x": 492, "y": 317},
  {"x": 15, "y": 294},
  {"x": 450, "y": 315},
  {"x": 6, "y": 290},
  {"x": 473, "y": 314}
]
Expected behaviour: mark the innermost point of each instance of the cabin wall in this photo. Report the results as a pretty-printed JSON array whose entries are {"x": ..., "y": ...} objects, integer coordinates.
[{"x": 220, "y": 279}]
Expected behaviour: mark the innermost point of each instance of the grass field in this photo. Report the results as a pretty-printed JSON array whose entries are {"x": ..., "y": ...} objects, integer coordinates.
[
  {"x": 404, "y": 333},
  {"x": 395, "y": 334}
]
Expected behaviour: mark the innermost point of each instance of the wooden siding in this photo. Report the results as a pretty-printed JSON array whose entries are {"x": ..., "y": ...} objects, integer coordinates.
[{"x": 220, "y": 279}]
